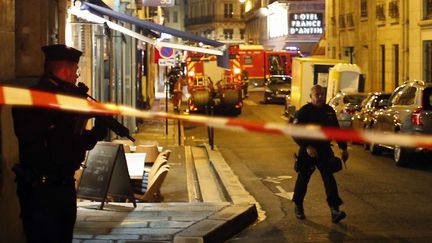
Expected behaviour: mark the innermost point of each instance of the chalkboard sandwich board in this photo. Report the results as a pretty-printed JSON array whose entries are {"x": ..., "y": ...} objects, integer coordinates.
[{"x": 105, "y": 173}]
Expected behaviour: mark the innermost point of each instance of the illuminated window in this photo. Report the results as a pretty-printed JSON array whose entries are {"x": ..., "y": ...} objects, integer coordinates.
[
  {"x": 228, "y": 10},
  {"x": 277, "y": 23}
]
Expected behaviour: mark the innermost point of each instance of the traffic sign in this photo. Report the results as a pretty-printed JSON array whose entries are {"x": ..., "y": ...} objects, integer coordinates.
[
  {"x": 166, "y": 52},
  {"x": 166, "y": 62}
]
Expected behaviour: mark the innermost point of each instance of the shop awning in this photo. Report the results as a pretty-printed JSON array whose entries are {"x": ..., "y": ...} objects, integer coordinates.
[
  {"x": 147, "y": 25},
  {"x": 95, "y": 13}
]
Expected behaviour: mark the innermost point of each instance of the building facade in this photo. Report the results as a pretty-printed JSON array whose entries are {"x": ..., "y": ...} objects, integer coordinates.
[
  {"x": 25, "y": 26},
  {"x": 281, "y": 25},
  {"x": 108, "y": 66},
  {"x": 218, "y": 20},
  {"x": 390, "y": 40}
]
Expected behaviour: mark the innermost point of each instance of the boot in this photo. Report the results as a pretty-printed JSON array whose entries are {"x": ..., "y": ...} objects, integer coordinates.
[
  {"x": 299, "y": 212},
  {"x": 337, "y": 215}
]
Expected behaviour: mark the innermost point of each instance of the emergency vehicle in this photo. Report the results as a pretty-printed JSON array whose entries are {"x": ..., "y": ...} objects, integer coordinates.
[
  {"x": 199, "y": 64},
  {"x": 201, "y": 92},
  {"x": 226, "y": 96},
  {"x": 260, "y": 64}
]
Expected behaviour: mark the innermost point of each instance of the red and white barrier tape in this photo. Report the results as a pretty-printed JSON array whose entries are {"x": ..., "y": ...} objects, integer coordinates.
[{"x": 26, "y": 97}]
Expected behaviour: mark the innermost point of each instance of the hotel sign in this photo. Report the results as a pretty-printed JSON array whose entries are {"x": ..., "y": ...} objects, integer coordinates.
[{"x": 305, "y": 23}]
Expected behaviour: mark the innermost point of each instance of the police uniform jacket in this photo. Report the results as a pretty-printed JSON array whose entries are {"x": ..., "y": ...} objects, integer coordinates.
[
  {"x": 53, "y": 142},
  {"x": 322, "y": 116}
]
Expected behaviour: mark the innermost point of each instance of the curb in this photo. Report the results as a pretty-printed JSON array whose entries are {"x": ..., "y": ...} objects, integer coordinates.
[
  {"x": 230, "y": 220},
  {"x": 220, "y": 226},
  {"x": 231, "y": 183}
]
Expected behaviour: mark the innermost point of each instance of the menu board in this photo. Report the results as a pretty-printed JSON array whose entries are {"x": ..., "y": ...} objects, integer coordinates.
[{"x": 105, "y": 173}]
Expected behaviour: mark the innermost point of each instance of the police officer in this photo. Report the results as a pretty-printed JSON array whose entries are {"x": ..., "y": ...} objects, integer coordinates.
[
  {"x": 52, "y": 145},
  {"x": 316, "y": 154}
]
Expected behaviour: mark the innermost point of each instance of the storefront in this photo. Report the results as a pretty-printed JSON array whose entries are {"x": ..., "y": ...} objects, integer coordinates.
[{"x": 122, "y": 64}]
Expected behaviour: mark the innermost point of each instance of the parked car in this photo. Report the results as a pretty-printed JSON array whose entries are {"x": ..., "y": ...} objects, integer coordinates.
[
  {"x": 345, "y": 105},
  {"x": 369, "y": 106},
  {"x": 276, "y": 88},
  {"x": 408, "y": 111}
]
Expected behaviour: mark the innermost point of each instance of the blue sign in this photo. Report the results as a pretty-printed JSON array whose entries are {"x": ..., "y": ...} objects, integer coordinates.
[{"x": 166, "y": 52}]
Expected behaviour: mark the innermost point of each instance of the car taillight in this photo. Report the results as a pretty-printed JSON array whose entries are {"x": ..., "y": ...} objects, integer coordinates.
[{"x": 416, "y": 117}]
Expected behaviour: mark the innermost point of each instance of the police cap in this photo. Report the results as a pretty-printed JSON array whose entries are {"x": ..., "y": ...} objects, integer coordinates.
[{"x": 61, "y": 52}]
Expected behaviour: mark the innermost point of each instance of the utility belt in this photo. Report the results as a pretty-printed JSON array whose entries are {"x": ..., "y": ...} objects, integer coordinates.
[{"x": 29, "y": 176}]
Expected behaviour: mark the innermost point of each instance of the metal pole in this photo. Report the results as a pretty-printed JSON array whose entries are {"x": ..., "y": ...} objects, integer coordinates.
[
  {"x": 212, "y": 129},
  {"x": 166, "y": 101},
  {"x": 179, "y": 131}
]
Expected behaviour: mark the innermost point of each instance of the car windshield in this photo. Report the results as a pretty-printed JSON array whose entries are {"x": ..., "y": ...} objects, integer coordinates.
[
  {"x": 354, "y": 98},
  {"x": 279, "y": 80}
]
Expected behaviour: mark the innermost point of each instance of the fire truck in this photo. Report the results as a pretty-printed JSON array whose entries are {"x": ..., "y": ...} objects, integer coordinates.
[
  {"x": 199, "y": 64},
  {"x": 214, "y": 85},
  {"x": 260, "y": 64},
  {"x": 248, "y": 64}
]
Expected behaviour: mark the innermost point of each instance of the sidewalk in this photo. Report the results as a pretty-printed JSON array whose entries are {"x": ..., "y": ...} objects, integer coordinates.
[{"x": 195, "y": 207}]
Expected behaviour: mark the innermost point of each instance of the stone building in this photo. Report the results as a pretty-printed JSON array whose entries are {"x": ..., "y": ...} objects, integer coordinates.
[
  {"x": 26, "y": 26},
  {"x": 218, "y": 20},
  {"x": 390, "y": 40}
]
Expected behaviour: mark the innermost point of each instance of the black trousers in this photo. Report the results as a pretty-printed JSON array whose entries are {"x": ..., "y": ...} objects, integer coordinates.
[
  {"x": 328, "y": 179},
  {"x": 48, "y": 211}
]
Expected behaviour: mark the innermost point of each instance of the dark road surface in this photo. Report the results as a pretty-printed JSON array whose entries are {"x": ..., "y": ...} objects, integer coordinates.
[{"x": 384, "y": 203}]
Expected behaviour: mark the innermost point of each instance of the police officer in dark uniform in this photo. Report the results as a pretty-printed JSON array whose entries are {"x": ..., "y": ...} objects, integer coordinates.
[
  {"x": 316, "y": 154},
  {"x": 52, "y": 146}
]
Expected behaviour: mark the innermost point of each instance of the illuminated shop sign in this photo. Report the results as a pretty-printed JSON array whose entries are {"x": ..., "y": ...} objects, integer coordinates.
[
  {"x": 156, "y": 3},
  {"x": 277, "y": 22},
  {"x": 305, "y": 23}
]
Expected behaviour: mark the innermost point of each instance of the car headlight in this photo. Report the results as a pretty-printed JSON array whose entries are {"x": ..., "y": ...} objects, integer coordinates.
[{"x": 267, "y": 91}]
